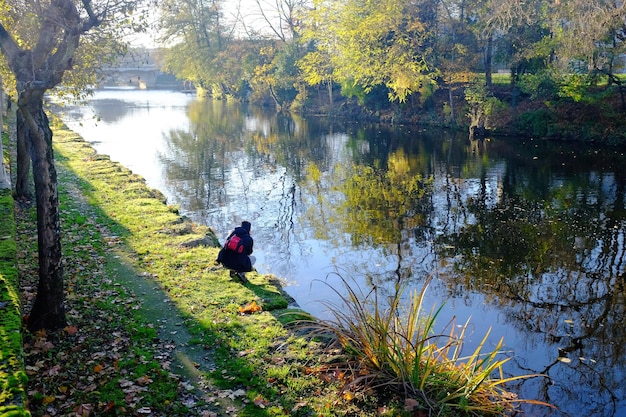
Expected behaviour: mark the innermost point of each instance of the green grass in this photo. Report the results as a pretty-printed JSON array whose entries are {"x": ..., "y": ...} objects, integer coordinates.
[
  {"x": 12, "y": 374},
  {"x": 501, "y": 79}
]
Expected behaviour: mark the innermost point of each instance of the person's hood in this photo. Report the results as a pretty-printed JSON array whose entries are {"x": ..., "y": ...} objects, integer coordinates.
[{"x": 240, "y": 231}]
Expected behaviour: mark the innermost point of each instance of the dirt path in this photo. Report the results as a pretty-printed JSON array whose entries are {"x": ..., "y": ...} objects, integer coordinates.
[{"x": 158, "y": 310}]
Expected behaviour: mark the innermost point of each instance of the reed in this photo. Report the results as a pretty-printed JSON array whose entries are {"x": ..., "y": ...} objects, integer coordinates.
[{"x": 394, "y": 348}]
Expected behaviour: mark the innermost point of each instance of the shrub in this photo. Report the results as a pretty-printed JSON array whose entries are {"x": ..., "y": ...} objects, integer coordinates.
[
  {"x": 538, "y": 122},
  {"x": 397, "y": 349}
]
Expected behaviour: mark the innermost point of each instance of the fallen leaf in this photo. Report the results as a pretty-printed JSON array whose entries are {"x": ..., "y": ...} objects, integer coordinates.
[
  {"x": 298, "y": 406},
  {"x": 260, "y": 402},
  {"x": 144, "y": 380},
  {"x": 239, "y": 393},
  {"x": 83, "y": 410},
  {"x": 48, "y": 399},
  {"x": 251, "y": 307},
  {"x": 90, "y": 388},
  {"x": 410, "y": 404},
  {"x": 71, "y": 330},
  {"x": 98, "y": 368},
  {"x": 54, "y": 370},
  {"x": 110, "y": 407},
  {"x": 43, "y": 345}
]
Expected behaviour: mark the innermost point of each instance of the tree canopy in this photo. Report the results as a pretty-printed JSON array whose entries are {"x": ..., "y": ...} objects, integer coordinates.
[{"x": 404, "y": 49}]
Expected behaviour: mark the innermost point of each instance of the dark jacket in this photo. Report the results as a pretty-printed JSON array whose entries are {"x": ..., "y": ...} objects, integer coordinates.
[{"x": 239, "y": 262}]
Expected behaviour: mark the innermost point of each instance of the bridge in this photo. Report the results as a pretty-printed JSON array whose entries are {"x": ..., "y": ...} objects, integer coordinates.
[{"x": 144, "y": 77}]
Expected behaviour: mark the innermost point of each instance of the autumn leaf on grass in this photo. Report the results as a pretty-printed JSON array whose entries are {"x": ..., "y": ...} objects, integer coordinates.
[
  {"x": 298, "y": 406},
  {"x": 251, "y": 307},
  {"x": 71, "y": 330},
  {"x": 261, "y": 402},
  {"x": 109, "y": 407},
  {"x": 53, "y": 371},
  {"x": 83, "y": 410},
  {"x": 144, "y": 380},
  {"x": 48, "y": 399}
]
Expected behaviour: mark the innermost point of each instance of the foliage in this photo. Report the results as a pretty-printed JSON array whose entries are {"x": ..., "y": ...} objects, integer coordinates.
[
  {"x": 586, "y": 88},
  {"x": 537, "y": 122},
  {"x": 277, "y": 75},
  {"x": 541, "y": 85},
  {"x": 482, "y": 105},
  {"x": 398, "y": 347},
  {"x": 375, "y": 44},
  {"x": 195, "y": 36},
  {"x": 13, "y": 389}
]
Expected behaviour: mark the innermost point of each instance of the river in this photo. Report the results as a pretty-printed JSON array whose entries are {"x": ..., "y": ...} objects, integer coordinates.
[{"x": 523, "y": 237}]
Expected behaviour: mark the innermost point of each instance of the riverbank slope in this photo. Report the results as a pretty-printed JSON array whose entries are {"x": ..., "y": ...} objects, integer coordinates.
[{"x": 596, "y": 117}]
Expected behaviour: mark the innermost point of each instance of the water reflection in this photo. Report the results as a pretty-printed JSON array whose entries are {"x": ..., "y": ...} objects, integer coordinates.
[{"x": 526, "y": 238}]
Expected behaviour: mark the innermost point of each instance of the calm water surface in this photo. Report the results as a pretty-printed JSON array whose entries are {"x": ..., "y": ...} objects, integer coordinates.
[{"x": 523, "y": 237}]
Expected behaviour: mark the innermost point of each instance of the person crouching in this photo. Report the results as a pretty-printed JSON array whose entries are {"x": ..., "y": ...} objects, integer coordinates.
[{"x": 235, "y": 254}]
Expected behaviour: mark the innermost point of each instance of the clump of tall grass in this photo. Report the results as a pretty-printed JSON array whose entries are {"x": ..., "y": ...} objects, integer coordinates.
[{"x": 393, "y": 347}]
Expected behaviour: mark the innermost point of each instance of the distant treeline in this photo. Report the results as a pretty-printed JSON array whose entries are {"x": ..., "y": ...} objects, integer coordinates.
[{"x": 482, "y": 64}]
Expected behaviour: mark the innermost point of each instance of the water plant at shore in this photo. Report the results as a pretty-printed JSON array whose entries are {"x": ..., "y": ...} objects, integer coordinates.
[{"x": 393, "y": 346}]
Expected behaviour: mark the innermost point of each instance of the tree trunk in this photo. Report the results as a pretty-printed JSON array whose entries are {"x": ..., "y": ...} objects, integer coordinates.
[
  {"x": 331, "y": 101},
  {"x": 48, "y": 311},
  {"x": 488, "y": 57},
  {"x": 22, "y": 185},
  {"x": 451, "y": 103},
  {"x": 4, "y": 177}
]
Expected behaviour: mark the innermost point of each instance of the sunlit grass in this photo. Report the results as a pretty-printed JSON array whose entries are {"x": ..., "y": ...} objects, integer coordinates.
[
  {"x": 395, "y": 348},
  {"x": 502, "y": 79}
]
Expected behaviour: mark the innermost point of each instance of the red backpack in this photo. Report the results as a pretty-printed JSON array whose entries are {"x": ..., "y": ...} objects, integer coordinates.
[{"x": 234, "y": 243}]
